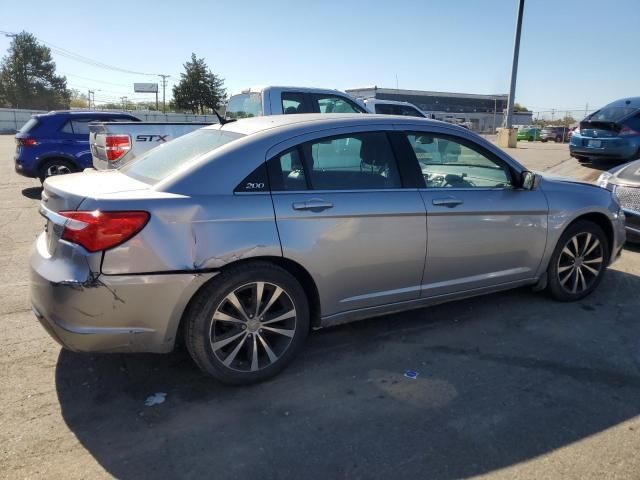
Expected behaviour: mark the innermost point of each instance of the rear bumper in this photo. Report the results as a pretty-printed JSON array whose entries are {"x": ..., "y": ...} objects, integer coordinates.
[
  {"x": 616, "y": 149},
  {"x": 109, "y": 313}
]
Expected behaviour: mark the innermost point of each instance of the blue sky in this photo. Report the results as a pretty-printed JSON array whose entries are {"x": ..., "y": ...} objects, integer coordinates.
[{"x": 573, "y": 52}]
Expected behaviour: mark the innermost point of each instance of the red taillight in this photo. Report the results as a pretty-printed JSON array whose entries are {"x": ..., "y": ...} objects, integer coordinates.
[
  {"x": 26, "y": 142},
  {"x": 626, "y": 131},
  {"x": 98, "y": 230},
  {"x": 116, "y": 146}
]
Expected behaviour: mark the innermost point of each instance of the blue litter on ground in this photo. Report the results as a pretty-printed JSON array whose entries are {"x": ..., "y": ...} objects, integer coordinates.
[{"x": 411, "y": 374}]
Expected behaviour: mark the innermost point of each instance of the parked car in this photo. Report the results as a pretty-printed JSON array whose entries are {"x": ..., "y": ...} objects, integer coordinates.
[
  {"x": 242, "y": 237},
  {"x": 556, "y": 134},
  {"x": 57, "y": 142},
  {"x": 391, "y": 107},
  {"x": 274, "y": 100},
  {"x": 114, "y": 144},
  {"x": 530, "y": 134},
  {"x": 611, "y": 133},
  {"x": 624, "y": 182}
]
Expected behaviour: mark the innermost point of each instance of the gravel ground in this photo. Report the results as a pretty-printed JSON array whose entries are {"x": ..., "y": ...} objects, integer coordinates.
[{"x": 511, "y": 385}]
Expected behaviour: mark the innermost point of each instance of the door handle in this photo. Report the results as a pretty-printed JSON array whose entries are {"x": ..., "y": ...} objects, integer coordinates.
[
  {"x": 447, "y": 202},
  {"x": 314, "y": 204}
]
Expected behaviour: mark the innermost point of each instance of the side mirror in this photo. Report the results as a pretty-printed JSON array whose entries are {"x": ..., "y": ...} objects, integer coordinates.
[{"x": 528, "y": 180}]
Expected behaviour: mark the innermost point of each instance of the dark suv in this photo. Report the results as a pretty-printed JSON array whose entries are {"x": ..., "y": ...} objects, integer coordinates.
[
  {"x": 55, "y": 143},
  {"x": 557, "y": 134}
]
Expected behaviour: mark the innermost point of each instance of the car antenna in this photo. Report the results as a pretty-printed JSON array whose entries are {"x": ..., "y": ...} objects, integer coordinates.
[{"x": 221, "y": 119}]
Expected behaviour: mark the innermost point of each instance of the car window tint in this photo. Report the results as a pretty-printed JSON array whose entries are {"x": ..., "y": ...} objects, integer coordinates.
[
  {"x": 408, "y": 111},
  {"x": 290, "y": 170},
  {"x": 334, "y": 104},
  {"x": 67, "y": 128},
  {"x": 352, "y": 162},
  {"x": 293, "y": 102},
  {"x": 385, "y": 109},
  {"x": 446, "y": 163},
  {"x": 81, "y": 127}
]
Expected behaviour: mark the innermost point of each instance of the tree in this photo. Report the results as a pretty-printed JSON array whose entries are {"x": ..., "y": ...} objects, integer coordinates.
[
  {"x": 28, "y": 76},
  {"x": 519, "y": 108},
  {"x": 77, "y": 99},
  {"x": 199, "y": 88}
]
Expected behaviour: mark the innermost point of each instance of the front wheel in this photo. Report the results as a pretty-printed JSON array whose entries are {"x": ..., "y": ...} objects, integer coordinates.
[
  {"x": 247, "y": 324},
  {"x": 578, "y": 262}
]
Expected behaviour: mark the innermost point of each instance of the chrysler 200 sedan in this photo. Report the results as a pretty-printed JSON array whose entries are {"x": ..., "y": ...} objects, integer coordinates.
[{"x": 240, "y": 238}]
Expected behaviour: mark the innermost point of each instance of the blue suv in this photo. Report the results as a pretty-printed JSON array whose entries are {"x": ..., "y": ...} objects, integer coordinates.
[
  {"x": 55, "y": 143},
  {"x": 613, "y": 132}
]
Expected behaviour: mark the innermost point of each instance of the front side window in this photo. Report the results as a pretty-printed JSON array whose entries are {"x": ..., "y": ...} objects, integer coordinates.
[
  {"x": 244, "y": 105},
  {"x": 293, "y": 102},
  {"x": 334, "y": 104},
  {"x": 448, "y": 163},
  {"x": 408, "y": 111},
  {"x": 385, "y": 109}
]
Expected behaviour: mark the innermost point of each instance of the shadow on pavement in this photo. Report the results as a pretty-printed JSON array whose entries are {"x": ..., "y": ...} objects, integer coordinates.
[
  {"x": 600, "y": 164},
  {"x": 33, "y": 193},
  {"x": 502, "y": 379}
]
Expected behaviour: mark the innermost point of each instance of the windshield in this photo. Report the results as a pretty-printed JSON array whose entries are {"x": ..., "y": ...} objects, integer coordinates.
[
  {"x": 244, "y": 105},
  {"x": 27, "y": 127},
  {"x": 611, "y": 114},
  {"x": 166, "y": 159}
]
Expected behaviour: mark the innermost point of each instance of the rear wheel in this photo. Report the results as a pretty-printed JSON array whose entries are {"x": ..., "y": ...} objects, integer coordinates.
[
  {"x": 247, "y": 324},
  {"x": 55, "y": 166},
  {"x": 578, "y": 262}
]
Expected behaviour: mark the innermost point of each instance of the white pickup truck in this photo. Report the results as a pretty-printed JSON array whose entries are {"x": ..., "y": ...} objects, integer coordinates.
[
  {"x": 115, "y": 143},
  {"x": 274, "y": 100}
]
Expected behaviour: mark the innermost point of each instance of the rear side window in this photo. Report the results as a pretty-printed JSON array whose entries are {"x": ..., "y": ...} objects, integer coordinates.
[
  {"x": 169, "y": 157},
  {"x": 359, "y": 161},
  {"x": 408, "y": 111},
  {"x": 385, "y": 109},
  {"x": 334, "y": 104},
  {"x": 244, "y": 105},
  {"x": 293, "y": 102},
  {"x": 30, "y": 125}
]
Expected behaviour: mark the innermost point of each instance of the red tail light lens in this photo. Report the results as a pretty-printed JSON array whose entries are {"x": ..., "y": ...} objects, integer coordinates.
[
  {"x": 627, "y": 132},
  {"x": 116, "y": 146},
  {"x": 98, "y": 230},
  {"x": 26, "y": 142}
]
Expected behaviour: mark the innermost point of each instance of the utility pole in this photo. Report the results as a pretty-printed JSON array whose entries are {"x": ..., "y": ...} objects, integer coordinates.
[
  {"x": 124, "y": 103},
  {"x": 495, "y": 108},
  {"x": 514, "y": 66},
  {"x": 164, "y": 85},
  {"x": 89, "y": 99}
]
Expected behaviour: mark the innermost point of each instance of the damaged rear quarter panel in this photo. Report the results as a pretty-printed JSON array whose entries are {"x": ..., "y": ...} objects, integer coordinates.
[{"x": 188, "y": 233}]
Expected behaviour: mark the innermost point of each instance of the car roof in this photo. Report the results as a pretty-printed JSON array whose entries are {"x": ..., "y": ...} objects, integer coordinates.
[
  {"x": 249, "y": 126},
  {"x": 264, "y": 88},
  {"x": 78, "y": 113}
]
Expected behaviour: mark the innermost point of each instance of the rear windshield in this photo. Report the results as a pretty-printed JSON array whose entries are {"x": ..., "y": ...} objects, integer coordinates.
[
  {"x": 611, "y": 114},
  {"x": 27, "y": 127},
  {"x": 168, "y": 158},
  {"x": 244, "y": 105}
]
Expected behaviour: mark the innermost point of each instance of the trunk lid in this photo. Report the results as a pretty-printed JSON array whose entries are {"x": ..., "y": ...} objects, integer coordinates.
[{"x": 599, "y": 129}]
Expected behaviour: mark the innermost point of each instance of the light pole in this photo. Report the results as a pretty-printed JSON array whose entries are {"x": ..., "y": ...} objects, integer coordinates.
[
  {"x": 514, "y": 66},
  {"x": 164, "y": 84}
]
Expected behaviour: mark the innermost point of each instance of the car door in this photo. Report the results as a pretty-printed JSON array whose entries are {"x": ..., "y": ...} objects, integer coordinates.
[
  {"x": 345, "y": 213},
  {"x": 482, "y": 230}
]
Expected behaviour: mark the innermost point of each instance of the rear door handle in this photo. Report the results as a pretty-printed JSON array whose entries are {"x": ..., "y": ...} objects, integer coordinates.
[
  {"x": 447, "y": 202},
  {"x": 313, "y": 204}
]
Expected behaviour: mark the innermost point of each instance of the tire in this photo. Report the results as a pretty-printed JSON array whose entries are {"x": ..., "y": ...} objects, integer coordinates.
[
  {"x": 59, "y": 165},
  {"x": 581, "y": 159},
  {"x": 543, "y": 140},
  {"x": 208, "y": 339},
  {"x": 569, "y": 281}
]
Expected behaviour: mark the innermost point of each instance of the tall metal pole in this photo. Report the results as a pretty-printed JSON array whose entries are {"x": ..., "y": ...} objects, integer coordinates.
[
  {"x": 514, "y": 66},
  {"x": 164, "y": 84}
]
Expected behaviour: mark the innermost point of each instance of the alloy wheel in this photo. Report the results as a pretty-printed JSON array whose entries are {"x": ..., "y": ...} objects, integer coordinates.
[
  {"x": 57, "y": 169},
  {"x": 580, "y": 262},
  {"x": 253, "y": 326}
]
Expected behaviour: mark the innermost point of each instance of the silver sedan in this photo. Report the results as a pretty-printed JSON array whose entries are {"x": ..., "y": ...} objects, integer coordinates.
[{"x": 241, "y": 238}]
